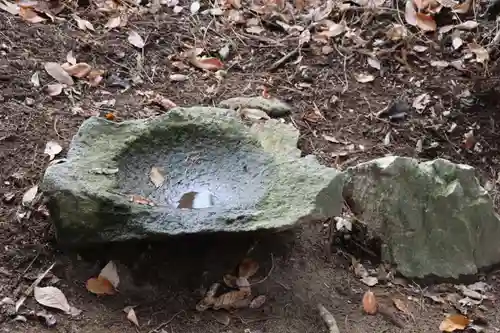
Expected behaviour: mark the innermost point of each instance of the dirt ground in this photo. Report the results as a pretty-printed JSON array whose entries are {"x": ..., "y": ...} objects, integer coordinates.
[{"x": 300, "y": 268}]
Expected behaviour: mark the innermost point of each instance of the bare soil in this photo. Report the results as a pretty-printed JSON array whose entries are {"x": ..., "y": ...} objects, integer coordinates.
[{"x": 300, "y": 268}]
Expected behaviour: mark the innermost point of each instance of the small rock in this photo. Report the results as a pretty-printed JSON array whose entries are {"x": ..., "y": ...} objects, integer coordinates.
[{"x": 29, "y": 101}]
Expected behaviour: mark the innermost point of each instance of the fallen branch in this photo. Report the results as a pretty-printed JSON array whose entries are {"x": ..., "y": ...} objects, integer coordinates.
[
  {"x": 284, "y": 59},
  {"x": 329, "y": 320},
  {"x": 30, "y": 289}
]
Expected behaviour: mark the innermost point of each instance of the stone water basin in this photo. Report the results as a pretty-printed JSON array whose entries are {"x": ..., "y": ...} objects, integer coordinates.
[{"x": 220, "y": 175}]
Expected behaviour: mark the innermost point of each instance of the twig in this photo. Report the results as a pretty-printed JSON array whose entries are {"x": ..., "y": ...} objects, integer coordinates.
[
  {"x": 389, "y": 315},
  {"x": 329, "y": 319},
  {"x": 268, "y": 274},
  {"x": 284, "y": 59},
  {"x": 30, "y": 289},
  {"x": 165, "y": 323}
]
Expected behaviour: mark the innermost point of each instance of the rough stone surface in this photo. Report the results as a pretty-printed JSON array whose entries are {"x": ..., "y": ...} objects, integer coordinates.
[
  {"x": 256, "y": 176},
  {"x": 433, "y": 217},
  {"x": 273, "y": 107}
]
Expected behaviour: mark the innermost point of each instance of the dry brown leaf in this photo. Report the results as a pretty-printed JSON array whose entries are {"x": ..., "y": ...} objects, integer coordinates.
[
  {"x": 364, "y": 78},
  {"x": 469, "y": 140},
  {"x": 481, "y": 53},
  {"x": 100, "y": 286},
  {"x": 396, "y": 32},
  {"x": 254, "y": 114},
  {"x": 156, "y": 177},
  {"x": 178, "y": 77},
  {"x": 401, "y": 306},
  {"x": 113, "y": 22},
  {"x": 257, "y": 302},
  {"x": 29, "y": 15},
  {"x": 195, "y": 7},
  {"x": 110, "y": 273},
  {"x": 131, "y": 316},
  {"x": 83, "y": 24},
  {"x": 462, "y": 8},
  {"x": 58, "y": 73},
  {"x": 95, "y": 77},
  {"x": 135, "y": 39},
  {"x": 426, "y": 22},
  {"x": 304, "y": 37},
  {"x": 410, "y": 13},
  {"x": 456, "y": 41},
  {"x": 9, "y": 7},
  {"x": 164, "y": 102},
  {"x": 369, "y": 302},
  {"x": 54, "y": 89},
  {"x": 222, "y": 317},
  {"x": 247, "y": 268},
  {"x": 211, "y": 64},
  {"x": 79, "y": 70},
  {"x": 420, "y": 48},
  {"x": 454, "y": 322},
  {"x": 140, "y": 200},
  {"x": 35, "y": 79},
  {"x": 232, "y": 300},
  {"x": 440, "y": 63}
]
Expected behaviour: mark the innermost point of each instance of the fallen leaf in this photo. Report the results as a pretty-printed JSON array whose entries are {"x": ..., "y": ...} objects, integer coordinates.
[
  {"x": 52, "y": 297},
  {"x": 435, "y": 298},
  {"x": 420, "y": 48},
  {"x": 336, "y": 29},
  {"x": 481, "y": 53},
  {"x": 135, "y": 39},
  {"x": 479, "y": 286},
  {"x": 54, "y": 89},
  {"x": 29, "y": 15},
  {"x": 83, "y": 24},
  {"x": 410, "y": 13},
  {"x": 131, "y": 316},
  {"x": 454, "y": 322},
  {"x": 29, "y": 195},
  {"x": 163, "y": 102},
  {"x": 462, "y": 8},
  {"x": 48, "y": 319},
  {"x": 195, "y": 7},
  {"x": 224, "y": 51},
  {"x": 58, "y": 73},
  {"x": 304, "y": 37},
  {"x": 254, "y": 29},
  {"x": 110, "y": 273},
  {"x": 458, "y": 64},
  {"x": 35, "y": 79},
  {"x": 178, "y": 77},
  {"x": 467, "y": 25},
  {"x": 401, "y": 306},
  {"x": 426, "y": 22},
  {"x": 156, "y": 177},
  {"x": 95, "y": 77},
  {"x": 364, "y": 78},
  {"x": 396, "y": 32},
  {"x": 232, "y": 300},
  {"x": 52, "y": 148},
  {"x": 374, "y": 62},
  {"x": 247, "y": 268},
  {"x": 456, "y": 41},
  {"x": 100, "y": 286},
  {"x": 211, "y": 64},
  {"x": 371, "y": 281},
  {"x": 113, "y": 22},
  {"x": 254, "y": 114},
  {"x": 440, "y": 63},
  {"x": 421, "y": 101},
  {"x": 469, "y": 140},
  {"x": 222, "y": 317},
  {"x": 257, "y": 302},
  {"x": 141, "y": 200},
  {"x": 369, "y": 302},
  {"x": 79, "y": 70},
  {"x": 70, "y": 58},
  {"x": 9, "y": 7}
]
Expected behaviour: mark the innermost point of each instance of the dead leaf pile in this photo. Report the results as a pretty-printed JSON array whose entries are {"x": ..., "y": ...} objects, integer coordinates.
[{"x": 240, "y": 296}]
